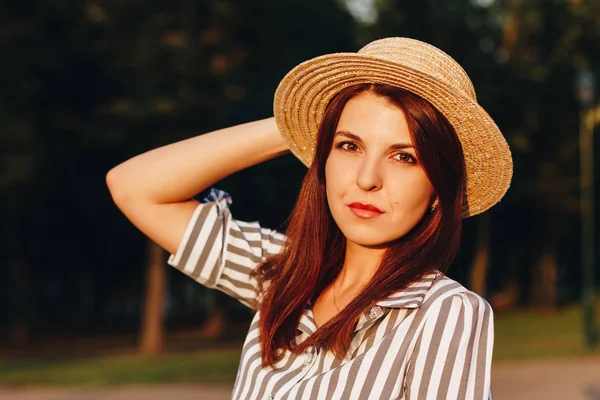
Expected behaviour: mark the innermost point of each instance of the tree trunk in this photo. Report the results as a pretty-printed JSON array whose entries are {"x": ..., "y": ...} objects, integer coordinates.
[
  {"x": 19, "y": 326},
  {"x": 479, "y": 268},
  {"x": 509, "y": 297},
  {"x": 545, "y": 267},
  {"x": 543, "y": 291},
  {"x": 152, "y": 334},
  {"x": 215, "y": 324}
]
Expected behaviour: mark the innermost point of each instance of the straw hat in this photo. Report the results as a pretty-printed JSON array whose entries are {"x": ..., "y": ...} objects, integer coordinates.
[{"x": 304, "y": 93}]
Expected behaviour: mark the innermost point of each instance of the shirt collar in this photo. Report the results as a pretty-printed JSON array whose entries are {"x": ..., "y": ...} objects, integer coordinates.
[
  {"x": 413, "y": 295},
  {"x": 410, "y": 297}
]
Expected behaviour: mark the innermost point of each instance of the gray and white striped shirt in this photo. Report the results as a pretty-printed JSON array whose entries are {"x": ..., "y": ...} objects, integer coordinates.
[{"x": 432, "y": 340}]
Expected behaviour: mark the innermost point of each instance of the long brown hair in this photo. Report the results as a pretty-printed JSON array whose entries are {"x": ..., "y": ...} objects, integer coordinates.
[{"x": 314, "y": 252}]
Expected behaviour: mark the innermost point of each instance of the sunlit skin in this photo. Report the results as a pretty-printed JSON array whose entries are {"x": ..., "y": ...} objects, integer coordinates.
[{"x": 373, "y": 161}]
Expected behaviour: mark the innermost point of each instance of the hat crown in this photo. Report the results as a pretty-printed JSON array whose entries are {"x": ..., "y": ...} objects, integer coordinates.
[{"x": 423, "y": 57}]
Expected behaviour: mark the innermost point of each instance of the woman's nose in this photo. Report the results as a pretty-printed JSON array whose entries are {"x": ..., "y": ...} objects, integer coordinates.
[{"x": 369, "y": 177}]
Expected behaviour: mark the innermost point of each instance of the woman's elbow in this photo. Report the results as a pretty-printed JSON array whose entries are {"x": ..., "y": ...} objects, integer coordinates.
[{"x": 117, "y": 187}]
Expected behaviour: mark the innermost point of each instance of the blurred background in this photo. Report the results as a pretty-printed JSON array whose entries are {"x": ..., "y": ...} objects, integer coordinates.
[{"x": 88, "y": 301}]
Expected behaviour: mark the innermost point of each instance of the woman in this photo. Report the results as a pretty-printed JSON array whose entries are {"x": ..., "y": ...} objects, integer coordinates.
[{"x": 352, "y": 302}]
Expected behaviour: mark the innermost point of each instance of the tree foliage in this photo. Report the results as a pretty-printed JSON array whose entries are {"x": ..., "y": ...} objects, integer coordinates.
[{"x": 89, "y": 84}]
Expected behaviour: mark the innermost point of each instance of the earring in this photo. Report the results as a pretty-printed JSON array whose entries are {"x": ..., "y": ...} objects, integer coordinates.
[{"x": 434, "y": 205}]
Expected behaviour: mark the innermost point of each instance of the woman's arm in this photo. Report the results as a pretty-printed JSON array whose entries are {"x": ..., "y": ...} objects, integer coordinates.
[{"x": 155, "y": 189}]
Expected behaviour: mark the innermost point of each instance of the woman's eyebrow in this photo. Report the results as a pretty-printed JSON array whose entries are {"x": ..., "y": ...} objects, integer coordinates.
[
  {"x": 396, "y": 146},
  {"x": 349, "y": 136},
  {"x": 401, "y": 146}
]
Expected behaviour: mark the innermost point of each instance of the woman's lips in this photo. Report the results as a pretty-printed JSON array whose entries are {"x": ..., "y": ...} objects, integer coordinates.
[{"x": 366, "y": 211}]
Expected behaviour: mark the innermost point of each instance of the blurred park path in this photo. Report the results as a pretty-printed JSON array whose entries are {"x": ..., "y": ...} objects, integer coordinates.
[
  {"x": 577, "y": 379},
  {"x": 548, "y": 380},
  {"x": 134, "y": 392}
]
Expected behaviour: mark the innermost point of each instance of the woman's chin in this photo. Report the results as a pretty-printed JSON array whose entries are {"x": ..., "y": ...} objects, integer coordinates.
[{"x": 371, "y": 240}]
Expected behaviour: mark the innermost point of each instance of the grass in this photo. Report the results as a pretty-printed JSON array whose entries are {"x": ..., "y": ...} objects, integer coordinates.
[
  {"x": 519, "y": 336},
  {"x": 528, "y": 335},
  {"x": 208, "y": 366}
]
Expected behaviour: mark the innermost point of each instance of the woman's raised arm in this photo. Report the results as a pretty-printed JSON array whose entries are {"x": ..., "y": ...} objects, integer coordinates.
[{"x": 155, "y": 189}]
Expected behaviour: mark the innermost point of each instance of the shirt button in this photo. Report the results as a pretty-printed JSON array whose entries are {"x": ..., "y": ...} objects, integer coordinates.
[
  {"x": 309, "y": 357},
  {"x": 270, "y": 397},
  {"x": 375, "y": 312}
]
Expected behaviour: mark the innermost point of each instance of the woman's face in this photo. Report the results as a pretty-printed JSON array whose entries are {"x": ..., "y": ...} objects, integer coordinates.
[{"x": 376, "y": 188}]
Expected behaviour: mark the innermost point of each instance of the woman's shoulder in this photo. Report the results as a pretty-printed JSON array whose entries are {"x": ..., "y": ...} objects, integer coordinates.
[{"x": 447, "y": 294}]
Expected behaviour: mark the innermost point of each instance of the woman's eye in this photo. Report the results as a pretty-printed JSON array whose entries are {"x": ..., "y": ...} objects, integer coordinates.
[
  {"x": 406, "y": 158},
  {"x": 348, "y": 146}
]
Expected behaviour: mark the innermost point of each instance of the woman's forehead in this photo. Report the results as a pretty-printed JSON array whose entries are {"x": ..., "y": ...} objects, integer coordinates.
[{"x": 374, "y": 118}]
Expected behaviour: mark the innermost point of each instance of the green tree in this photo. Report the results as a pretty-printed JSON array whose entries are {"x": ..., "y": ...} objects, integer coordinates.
[
  {"x": 522, "y": 57},
  {"x": 114, "y": 79}
]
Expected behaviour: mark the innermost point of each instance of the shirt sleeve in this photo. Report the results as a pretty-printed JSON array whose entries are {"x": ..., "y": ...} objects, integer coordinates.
[
  {"x": 220, "y": 252},
  {"x": 453, "y": 355}
]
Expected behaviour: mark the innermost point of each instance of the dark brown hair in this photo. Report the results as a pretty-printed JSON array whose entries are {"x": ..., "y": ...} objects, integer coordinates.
[{"x": 314, "y": 252}]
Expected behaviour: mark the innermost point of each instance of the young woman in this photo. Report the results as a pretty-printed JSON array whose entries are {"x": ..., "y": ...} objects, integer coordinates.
[{"x": 352, "y": 302}]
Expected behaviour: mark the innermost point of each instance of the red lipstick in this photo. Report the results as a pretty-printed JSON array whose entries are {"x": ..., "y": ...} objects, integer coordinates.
[{"x": 363, "y": 210}]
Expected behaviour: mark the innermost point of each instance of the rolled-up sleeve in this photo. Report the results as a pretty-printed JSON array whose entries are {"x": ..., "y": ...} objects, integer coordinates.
[
  {"x": 220, "y": 252},
  {"x": 453, "y": 355}
]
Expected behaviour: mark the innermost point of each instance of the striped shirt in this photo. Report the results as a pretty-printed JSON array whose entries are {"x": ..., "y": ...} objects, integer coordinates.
[{"x": 432, "y": 340}]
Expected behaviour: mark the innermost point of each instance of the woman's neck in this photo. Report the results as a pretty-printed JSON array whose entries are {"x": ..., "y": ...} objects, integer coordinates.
[{"x": 360, "y": 264}]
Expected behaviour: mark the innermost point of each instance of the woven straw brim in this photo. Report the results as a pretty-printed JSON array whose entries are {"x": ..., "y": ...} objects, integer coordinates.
[{"x": 304, "y": 93}]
